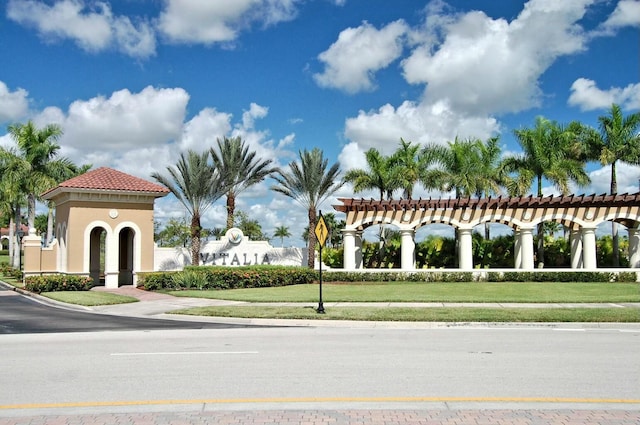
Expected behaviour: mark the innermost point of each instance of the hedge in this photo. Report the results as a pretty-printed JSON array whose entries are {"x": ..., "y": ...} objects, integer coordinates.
[
  {"x": 218, "y": 277},
  {"x": 58, "y": 282}
]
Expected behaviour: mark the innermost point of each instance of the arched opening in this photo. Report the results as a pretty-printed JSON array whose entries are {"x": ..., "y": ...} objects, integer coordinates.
[
  {"x": 97, "y": 255},
  {"x": 436, "y": 246},
  {"x": 125, "y": 256}
]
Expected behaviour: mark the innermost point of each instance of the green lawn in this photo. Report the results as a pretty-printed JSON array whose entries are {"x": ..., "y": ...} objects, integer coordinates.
[
  {"x": 396, "y": 314},
  {"x": 574, "y": 292}
]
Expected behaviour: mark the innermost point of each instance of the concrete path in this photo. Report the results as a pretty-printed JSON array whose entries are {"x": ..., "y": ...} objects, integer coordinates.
[{"x": 343, "y": 417}]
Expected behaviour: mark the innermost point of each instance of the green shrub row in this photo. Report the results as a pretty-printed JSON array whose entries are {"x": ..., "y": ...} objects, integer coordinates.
[
  {"x": 8, "y": 271},
  {"x": 58, "y": 282},
  {"x": 216, "y": 277},
  {"x": 390, "y": 276},
  {"x": 515, "y": 276},
  {"x": 577, "y": 276}
]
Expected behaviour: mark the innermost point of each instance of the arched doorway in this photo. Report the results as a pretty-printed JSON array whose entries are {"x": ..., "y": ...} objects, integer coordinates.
[
  {"x": 97, "y": 254},
  {"x": 125, "y": 256}
]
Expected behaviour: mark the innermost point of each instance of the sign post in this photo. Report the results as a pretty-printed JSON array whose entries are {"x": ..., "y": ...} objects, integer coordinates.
[{"x": 321, "y": 232}]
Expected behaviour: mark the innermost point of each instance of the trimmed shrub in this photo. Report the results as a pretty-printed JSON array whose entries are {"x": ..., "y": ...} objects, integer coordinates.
[
  {"x": 436, "y": 276},
  {"x": 218, "y": 277},
  {"x": 57, "y": 282}
]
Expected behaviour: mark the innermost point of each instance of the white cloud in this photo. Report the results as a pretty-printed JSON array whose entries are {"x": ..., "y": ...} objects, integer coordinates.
[
  {"x": 587, "y": 96},
  {"x": 202, "y": 131},
  {"x": 418, "y": 123},
  {"x": 13, "y": 104},
  {"x": 195, "y": 21},
  {"x": 101, "y": 129},
  {"x": 626, "y": 13},
  {"x": 92, "y": 28},
  {"x": 473, "y": 67},
  {"x": 358, "y": 53},
  {"x": 627, "y": 177},
  {"x": 485, "y": 65}
]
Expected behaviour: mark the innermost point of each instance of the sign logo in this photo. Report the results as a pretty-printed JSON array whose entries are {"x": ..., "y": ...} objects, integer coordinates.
[{"x": 234, "y": 235}]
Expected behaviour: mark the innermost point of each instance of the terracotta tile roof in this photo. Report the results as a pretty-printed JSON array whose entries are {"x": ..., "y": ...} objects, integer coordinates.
[{"x": 105, "y": 178}]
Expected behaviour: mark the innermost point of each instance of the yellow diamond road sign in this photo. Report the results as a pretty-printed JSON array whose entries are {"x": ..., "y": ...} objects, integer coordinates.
[{"x": 321, "y": 231}]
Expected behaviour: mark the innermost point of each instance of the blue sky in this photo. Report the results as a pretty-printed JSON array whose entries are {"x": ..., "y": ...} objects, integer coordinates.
[{"x": 134, "y": 83}]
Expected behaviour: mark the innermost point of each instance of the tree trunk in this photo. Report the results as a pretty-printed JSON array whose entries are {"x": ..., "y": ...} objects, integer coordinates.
[
  {"x": 12, "y": 239},
  {"x": 31, "y": 211},
  {"x": 195, "y": 240},
  {"x": 614, "y": 226},
  {"x": 231, "y": 208},
  {"x": 17, "y": 252},
  {"x": 540, "y": 254},
  {"x": 311, "y": 246},
  {"x": 49, "y": 227}
]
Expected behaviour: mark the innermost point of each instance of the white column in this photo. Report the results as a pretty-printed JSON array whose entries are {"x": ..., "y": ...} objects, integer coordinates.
[
  {"x": 526, "y": 249},
  {"x": 589, "y": 248},
  {"x": 517, "y": 254},
  {"x": 349, "y": 243},
  {"x": 634, "y": 244},
  {"x": 111, "y": 261},
  {"x": 359, "y": 254},
  {"x": 465, "y": 249},
  {"x": 575, "y": 241},
  {"x": 407, "y": 258}
]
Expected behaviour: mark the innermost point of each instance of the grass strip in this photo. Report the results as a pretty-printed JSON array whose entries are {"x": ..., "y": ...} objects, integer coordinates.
[
  {"x": 439, "y": 314},
  {"x": 479, "y": 292},
  {"x": 89, "y": 298}
]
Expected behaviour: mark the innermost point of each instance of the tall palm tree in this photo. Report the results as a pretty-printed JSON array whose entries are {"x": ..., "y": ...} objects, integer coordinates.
[
  {"x": 38, "y": 150},
  {"x": 380, "y": 175},
  {"x": 241, "y": 169},
  {"x": 310, "y": 183},
  {"x": 409, "y": 164},
  {"x": 617, "y": 141},
  {"x": 549, "y": 152},
  {"x": 197, "y": 185},
  {"x": 12, "y": 197},
  {"x": 281, "y": 232}
]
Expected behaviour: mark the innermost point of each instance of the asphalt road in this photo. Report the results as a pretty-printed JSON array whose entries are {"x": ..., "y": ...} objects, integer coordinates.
[
  {"x": 311, "y": 367},
  {"x": 22, "y": 314}
]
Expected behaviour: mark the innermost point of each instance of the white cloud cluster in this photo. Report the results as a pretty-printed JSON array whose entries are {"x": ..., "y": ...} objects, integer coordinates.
[
  {"x": 626, "y": 13},
  {"x": 586, "y": 95},
  {"x": 358, "y": 53},
  {"x": 195, "y": 21},
  {"x": 473, "y": 67},
  {"x": 93, "y": 29},
  {"x": 13, "y": 104}
]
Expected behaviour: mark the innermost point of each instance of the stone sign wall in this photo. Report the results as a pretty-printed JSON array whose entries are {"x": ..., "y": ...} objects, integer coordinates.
[{"x": 232, "y": 250}]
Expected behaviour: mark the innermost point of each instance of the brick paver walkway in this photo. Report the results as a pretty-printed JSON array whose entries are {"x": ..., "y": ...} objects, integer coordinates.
[{"x": 344, "y": 417}]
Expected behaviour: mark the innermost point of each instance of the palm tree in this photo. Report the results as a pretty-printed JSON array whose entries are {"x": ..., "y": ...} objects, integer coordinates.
[
  {"x": 197, "y": 185},
  {"x": 310, "y": 183},
  {"x": 409, "y": 166},
  {"x": 38, "y": 151},
  {"x": 12, "y": 197},
  {"x": 281, "y": 232},
  {"x": 617, "y": 141},
  {"x": 380, "y": 175},
  {"x": 549, "y": 152},
  {"x": 241, "y": 169}
]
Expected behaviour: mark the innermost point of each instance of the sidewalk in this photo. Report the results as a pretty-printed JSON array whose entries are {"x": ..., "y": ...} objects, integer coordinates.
[{"x": 441, "y": 416}]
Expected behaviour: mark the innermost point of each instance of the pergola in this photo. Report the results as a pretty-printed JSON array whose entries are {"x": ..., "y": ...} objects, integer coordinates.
[{"x": 581, "y": 214}]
